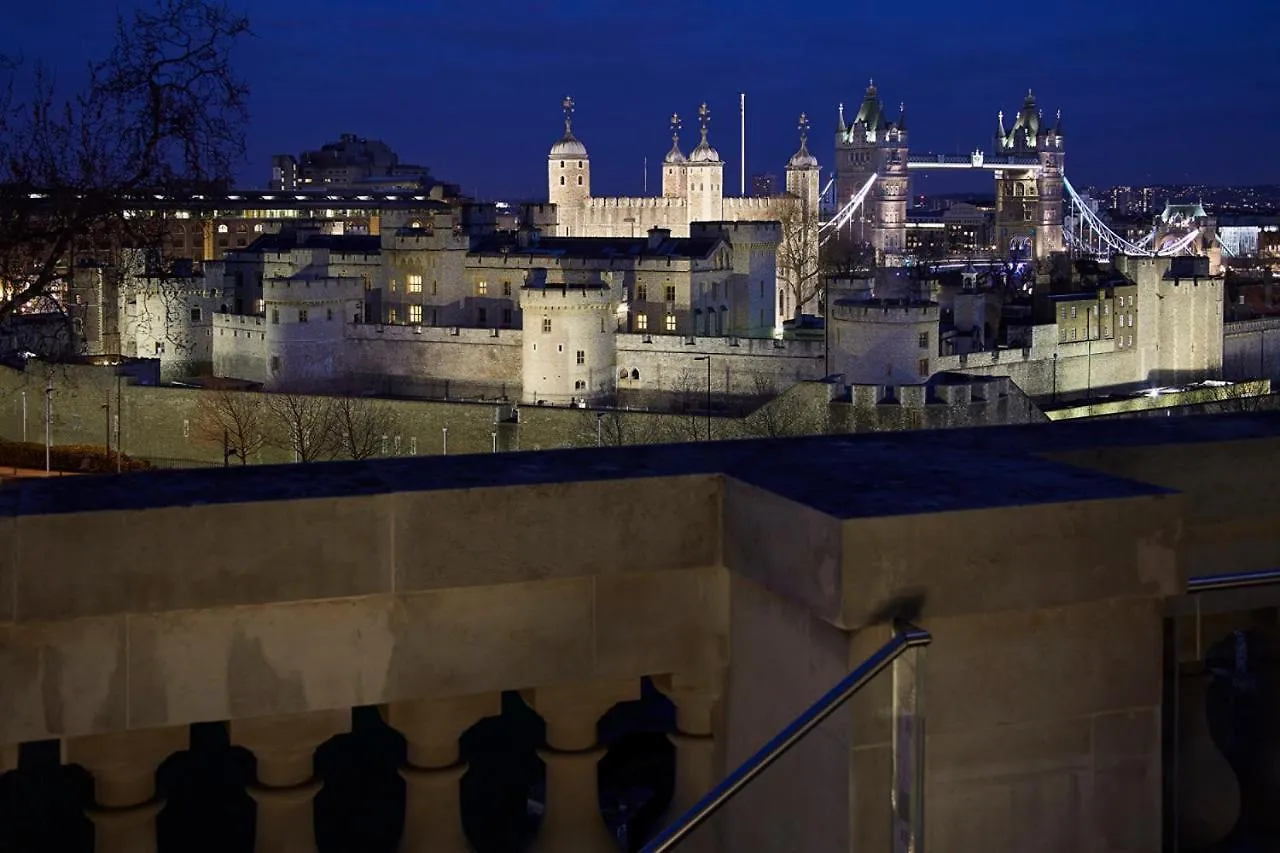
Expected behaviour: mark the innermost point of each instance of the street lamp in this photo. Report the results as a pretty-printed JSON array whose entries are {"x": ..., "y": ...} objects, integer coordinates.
[
  {"x": 48, "y": 424},
  {"x": 707, "y": 359}
]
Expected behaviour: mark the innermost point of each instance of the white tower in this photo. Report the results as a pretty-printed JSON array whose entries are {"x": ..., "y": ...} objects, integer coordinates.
[
  {"x": 705, "y": 176},
  {"x": 674, "y": 166},
  {"x": 568, "y": 176}
]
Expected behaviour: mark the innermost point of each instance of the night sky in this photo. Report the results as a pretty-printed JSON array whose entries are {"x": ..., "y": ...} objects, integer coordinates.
[{"x": 1180, "y": 91}]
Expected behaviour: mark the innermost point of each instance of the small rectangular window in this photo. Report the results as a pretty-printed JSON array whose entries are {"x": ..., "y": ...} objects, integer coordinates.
[
  {"x": 302, "y": 315},
  {"x": 671, "y": 293},
  {"x": 506, "y": 316},
  {"x": 581, "y": 357},
  {"x": 415, "y": 313},
  {"x": 482, "y": 288},
  {"x": 924, "y": 340},
  {"x": 328, "y": 313},
  {"x": 642, "y": 292},
  {"x": 415, "y": 284},
  {"x": 642, "y": 322},
  {"x": 195, "y": 315},
  {"x": 275, "y": 316},
  {"x": 924, "y": 368},
  {"x": 671, "y": 322},
  {"x": 546, "y": 325},
  {"x": 506, "y": 288},
  {"x": 275, "y": 364}
]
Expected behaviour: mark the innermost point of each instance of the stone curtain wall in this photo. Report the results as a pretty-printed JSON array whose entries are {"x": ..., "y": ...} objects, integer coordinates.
[
  {"x": 1251, "y": 349},
  {"x": 159, "y": 423}
]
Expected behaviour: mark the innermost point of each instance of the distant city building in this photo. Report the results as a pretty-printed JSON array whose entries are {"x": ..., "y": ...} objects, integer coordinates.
[
  {"x": 351, "y": 162},
  {"x": 765, "y": 185}
]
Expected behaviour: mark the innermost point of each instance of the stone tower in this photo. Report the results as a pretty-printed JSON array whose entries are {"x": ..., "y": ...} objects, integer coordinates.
[
  {"x": 568, "y": 175},
  {"x": 569, "y": 338},
  {"x": 674, "y": 165},
  {"x": 803, "y": 174},
  {"x": 1028, "y": 218},
  {"x": 874, "y": 145},
  {"x": 705, "y": 177}
]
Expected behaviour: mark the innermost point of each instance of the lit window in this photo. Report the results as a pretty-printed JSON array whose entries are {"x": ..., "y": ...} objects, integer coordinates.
[
  {"x": 415, "y": 313},
  {"x": 546, "y": 325},
  {"x": 582, "y": 357},
  {"x": 393, "y": 316},
  {"x": 415, "y": 284},
  {"x": 642, "y": 322},
  {"x": 671, "y": 322},
  {"x": 222, "y": 229},
  {"x": 482, "y": 288}
]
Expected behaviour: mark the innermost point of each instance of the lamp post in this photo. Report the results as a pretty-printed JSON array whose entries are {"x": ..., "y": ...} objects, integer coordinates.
[
  {"x": 24, "y": 417},
  {"x": 106, "y": 410},
  {"x": 707, "y": 359},
  {"x": 599, "y": 429},
  {"x": 444, "y": 441},
  {"x": 48, "y": 425}
]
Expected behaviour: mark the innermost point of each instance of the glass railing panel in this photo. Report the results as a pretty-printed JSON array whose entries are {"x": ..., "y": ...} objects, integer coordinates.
[{"x": 800, "y": 784}]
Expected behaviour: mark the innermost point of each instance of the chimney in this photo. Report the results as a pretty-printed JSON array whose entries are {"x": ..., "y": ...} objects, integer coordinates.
[{"x": 657, "y": 236}]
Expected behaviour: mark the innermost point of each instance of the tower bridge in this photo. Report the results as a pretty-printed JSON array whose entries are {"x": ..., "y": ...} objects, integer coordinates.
[{"x": 1037, "y": 210}]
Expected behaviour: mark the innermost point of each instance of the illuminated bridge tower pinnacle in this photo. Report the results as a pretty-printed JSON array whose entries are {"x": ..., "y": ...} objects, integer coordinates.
[
  {"x": 1028, "y": 213},
  {"x": 874, "y": 145}
]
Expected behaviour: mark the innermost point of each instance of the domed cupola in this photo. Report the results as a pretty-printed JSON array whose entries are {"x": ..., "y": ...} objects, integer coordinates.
[
  {"x": 568, "y": 147},
  {"x": 674, "y": 156},
  {"x": 802, "y": 159},
  {"x": 704, "y": 153}
]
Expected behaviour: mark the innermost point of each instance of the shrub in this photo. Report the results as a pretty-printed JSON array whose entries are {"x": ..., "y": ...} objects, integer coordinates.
[{"x": 79, "y": 458}]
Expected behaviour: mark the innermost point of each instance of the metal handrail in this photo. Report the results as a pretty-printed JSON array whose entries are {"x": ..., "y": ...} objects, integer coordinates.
[
  {"x": 908, "y": 637},
  {"x": 1233, "y": 580}
]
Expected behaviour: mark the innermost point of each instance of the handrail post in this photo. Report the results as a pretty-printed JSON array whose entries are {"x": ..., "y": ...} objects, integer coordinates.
[
  {"x": 907, "y": 790},
  {"x": 907, "y": 639}
]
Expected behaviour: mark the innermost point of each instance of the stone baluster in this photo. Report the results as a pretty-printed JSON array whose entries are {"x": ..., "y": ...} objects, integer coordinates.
[
  {"x": 572, "y": 820},
  {"x": 123, "y": 766},
  {"x": 433, "y": 771},
  {"x": 284, "y": 747},
  {"x": 697, "y": 703}
]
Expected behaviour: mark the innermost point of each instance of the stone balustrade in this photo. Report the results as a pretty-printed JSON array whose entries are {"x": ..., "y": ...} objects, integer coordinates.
[{"x": 738, "y": 579}]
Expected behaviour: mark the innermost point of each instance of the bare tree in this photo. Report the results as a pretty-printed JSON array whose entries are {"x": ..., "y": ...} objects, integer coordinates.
[
  {"x": 161, "y": 116},
  {"x": 360, "y": 424},
  {"x": 1236, "y": 397},
  {"x": 782, "y": 413},
  {"x": 305, "y": 426},
  {"x": 233, "y": 419},
  {"x": 800, "y": 270}
]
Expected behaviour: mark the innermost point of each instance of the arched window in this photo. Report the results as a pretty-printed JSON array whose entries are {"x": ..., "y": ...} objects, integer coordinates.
[
  {"x": 781, "y": 302},
  {"x": 579, "y": 385},
  {"x": 635, "y": 375},
  {"x": 562, "y": 180},
  {"x": 222, "y": 229},
  {"x": 622, "y": 374},
  {"x": 415, "y": 224}
]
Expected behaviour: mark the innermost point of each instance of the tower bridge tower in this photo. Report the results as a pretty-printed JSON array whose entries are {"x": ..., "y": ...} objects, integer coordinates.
[
  {"x": 1028, "y": 212},
  {"x": 875, "y": 145}
]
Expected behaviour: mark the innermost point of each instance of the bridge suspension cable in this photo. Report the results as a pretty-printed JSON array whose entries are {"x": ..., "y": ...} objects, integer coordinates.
[
  {"x": 829, "y": 228},
  {"x": 1101, "y": 240}
]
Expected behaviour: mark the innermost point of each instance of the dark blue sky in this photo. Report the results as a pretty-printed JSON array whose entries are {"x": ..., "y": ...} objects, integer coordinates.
[{"x": 1177, "y": 91}]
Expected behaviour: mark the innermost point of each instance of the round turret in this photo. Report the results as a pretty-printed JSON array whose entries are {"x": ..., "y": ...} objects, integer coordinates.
[{"x": 568, "y": 147}]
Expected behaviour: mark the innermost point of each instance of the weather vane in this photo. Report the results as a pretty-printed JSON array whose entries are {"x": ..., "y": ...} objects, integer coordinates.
[
  {"x": 704, "y": 116},
  {"x": 675, "y": 128},
  {"x": 567, "y": 105},
  {"x": 804, "y": 128}
]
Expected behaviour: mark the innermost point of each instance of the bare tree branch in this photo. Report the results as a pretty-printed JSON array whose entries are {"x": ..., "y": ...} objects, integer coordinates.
[
  {"x": 304, "y": 425},
  {"x": 360, "y": 424},
  {"x": 161, "y": 115},
  {"x": 233, "y": 419}
]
